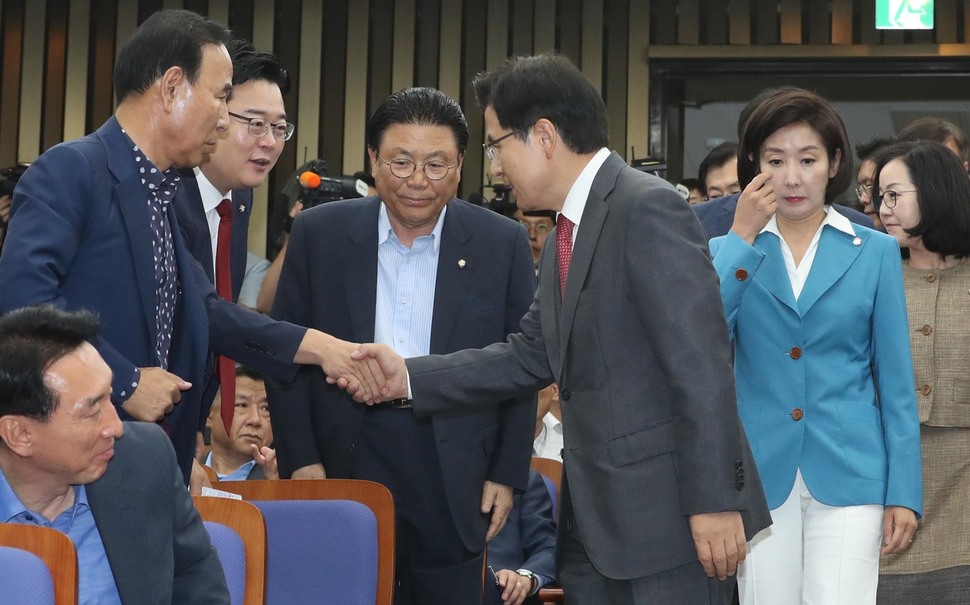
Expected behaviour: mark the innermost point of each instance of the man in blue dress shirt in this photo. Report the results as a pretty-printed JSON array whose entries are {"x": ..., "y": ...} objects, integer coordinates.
[{"x": 68, "y": 462}]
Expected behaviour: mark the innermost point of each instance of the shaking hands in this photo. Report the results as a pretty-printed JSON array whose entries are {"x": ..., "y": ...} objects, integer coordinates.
[{"x": 371, "y": 373}]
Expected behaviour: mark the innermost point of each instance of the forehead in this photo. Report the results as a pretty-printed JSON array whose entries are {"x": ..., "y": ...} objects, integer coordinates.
[
  {"x": 257, "y": 97},
  {"x": 798, "y": 134},
  {"x": 79, "y": 375},
  {"x": 419, "y": 139},
  {"x": 216, "y": 69}
]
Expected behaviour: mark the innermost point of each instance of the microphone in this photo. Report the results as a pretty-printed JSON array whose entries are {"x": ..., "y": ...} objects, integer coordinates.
[{"x": 310, "y": 179}]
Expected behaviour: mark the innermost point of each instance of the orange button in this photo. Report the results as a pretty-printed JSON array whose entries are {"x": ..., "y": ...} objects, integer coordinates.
[
  {"x": 926, "y": 389},
  {"x": 926, "y": 330},
  {"x": 795, "y": 352},
  {"x": 931, "y": 277},
  {"x": 741, "y": 274},
  {"x": 797, "y": 414}
]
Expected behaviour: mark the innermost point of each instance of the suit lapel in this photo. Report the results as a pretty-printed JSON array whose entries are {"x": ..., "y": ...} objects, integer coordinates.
[
  {"x": 360, "y": 279},
  {"x": 836, "y": 253},
  {"x": 587, "y": 237},
  {"x": 115, "y": 515},
  {"x": 773, "y": 274},
  {"x": 129, "y": 194},
  {"x": 449, "y": 290},
  {"x": 242, "y": 203}
]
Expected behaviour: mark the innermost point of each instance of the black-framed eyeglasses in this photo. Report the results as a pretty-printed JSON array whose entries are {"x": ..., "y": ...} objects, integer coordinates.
[
  {"x": 258, "y": 127},
  {"x": 403, "y": 168},
  {"x": 863, "y": 190},
  {"x": 490, "y": 149},
  {"x": 889, "y": 197}
]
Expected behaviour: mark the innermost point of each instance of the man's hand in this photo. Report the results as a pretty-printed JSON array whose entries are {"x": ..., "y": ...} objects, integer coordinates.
[
  {"x": 719, "y": 540},
  {"x": 310, "y": 471},
  {"x": 496, "y": 499},
  {"x": 514, "y": 588},
  {"x": 265, "y": 457},
  {"x": 390, "y": 365},
  {"x": 157, "y": 393},
  {"x": 756, "y": 206},
  {"x": 898, "y": 528},
  {"x": 361, "y": 378},
  {"x": 198, "y": 479}
]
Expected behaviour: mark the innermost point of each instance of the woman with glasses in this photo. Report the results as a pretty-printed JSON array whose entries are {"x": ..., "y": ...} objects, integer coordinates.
[
  {"x": 824, "y": 378},
  {"x": 925, "y": 205}
]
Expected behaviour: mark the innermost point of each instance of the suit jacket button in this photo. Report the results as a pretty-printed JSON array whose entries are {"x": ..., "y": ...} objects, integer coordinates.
[
  {"x": 795, "y": 353},
  {"x": 739, "y": 464},
  {"x": 926, "y": 330},
  {"x": 926, "y": 389},
  {"x": 797, "y": 414},
  {"x": 565, "y": 394},
  {"x": 931, "y": 277},
  {"x": 740, "y": 485},
  {"x": 741, "y": 275},
  {"x": 353, "y": 448}
]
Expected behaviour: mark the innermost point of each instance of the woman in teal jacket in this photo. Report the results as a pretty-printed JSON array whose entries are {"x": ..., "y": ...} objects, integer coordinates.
[{"x": 816, "y": 309}]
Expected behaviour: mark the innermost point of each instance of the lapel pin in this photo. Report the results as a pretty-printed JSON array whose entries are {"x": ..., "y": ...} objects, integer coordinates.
[
  {"x": 242, "y": 207},
  {"x": 461, "y": 263},
  {"x": 857, "y": 241}
]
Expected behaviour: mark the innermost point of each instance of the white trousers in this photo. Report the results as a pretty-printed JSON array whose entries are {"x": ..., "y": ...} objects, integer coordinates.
[{"x": 813, "y": 554}]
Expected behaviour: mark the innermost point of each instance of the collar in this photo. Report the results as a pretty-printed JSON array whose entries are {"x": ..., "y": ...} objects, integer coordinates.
[
  {"x": 575, "y": 201},
  {"x": 832, "y": 218},
  {"x": 11, "y": 506},
  {"x": 384, "y": 229},
  {"x": 208, "y": 192}
]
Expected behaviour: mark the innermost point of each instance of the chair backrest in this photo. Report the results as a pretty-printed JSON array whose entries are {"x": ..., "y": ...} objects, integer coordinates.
[
  {"x": 371, "y": 511},
  {"x": 551, "y": 471},
  {"x": 243, "y": 554},
  {"x": 22, "y": 579},
  {"x": 211, "y": 473}
]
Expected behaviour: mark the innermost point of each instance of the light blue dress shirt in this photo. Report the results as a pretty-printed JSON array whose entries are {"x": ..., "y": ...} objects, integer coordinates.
[
  {"x": 405, "y": 288},
  {"x": 240, "y": 474},
  {"x": 96, "y": 584}
]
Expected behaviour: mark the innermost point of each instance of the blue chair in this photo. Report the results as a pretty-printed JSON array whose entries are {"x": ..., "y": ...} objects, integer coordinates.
[
  {"x": 238, "y": 533},
  {"x": 330, "y": 541},
  {"x": 38, "y": 565}
]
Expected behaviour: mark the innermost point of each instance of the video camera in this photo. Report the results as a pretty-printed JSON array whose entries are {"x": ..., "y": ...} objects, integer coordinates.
[{"x": 317, "y": 188}]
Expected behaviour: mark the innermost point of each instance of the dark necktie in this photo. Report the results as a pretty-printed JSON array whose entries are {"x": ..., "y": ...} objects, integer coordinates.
[
  {"x": 564, "y": 248},
  {"x": 226, "y": 367}
]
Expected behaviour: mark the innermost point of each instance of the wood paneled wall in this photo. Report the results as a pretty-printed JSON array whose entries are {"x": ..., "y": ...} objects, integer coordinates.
[{"x": 347, "y": 55}]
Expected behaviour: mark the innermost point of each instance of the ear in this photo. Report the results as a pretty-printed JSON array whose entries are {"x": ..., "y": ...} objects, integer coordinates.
[
  {"x": 461, "y": 162},
  {"x": 544, "y": 133},
  {"x": 16, "y": 434},
  {"x": 372, "y": 154},
  {"x": 836, "y": 162},
  {"x": 171, "y": 86}
]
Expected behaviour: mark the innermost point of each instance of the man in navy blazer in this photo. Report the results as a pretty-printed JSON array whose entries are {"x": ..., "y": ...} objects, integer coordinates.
[
  {"x": 423, "y": 271},
  {"x": 68, "y": 462},
  {"x": 523, "y": 554},
  {"x": 92, "y": 227}
]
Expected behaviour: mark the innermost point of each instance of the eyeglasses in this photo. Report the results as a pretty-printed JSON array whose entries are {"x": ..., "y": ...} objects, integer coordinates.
[
  {"x": 258, "y": 127},
  {"x": 403, "y": 168},
  {"x": 541, "y": 228},
  {"x": 889, "y": 197},
  {"x": 863, "y": 190},
  {"x": 490, "y": 149}
]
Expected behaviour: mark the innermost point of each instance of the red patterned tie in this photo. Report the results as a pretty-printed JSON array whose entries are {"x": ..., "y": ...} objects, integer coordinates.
[
  {"x": 564, "y": 248},
  {"x": 226, "y": 370}
]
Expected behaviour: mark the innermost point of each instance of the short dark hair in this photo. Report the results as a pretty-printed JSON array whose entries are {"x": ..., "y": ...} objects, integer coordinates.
[
  {"x": 525, "y": 89},
  {"x": 868, "y": 150},
  {"x": 796, "y": 106},
  {"x": 943, "y": 194},
  {"x": 31, "y": 340},
  {"x": 719, "y": 156},
  {"x": 166, "y": 39},
  {"x": 424, "y": 106},
  {"x": 249, "y": 372},
  {"x": 248, "y": 63},
  {"x": 936, "y": 129}
]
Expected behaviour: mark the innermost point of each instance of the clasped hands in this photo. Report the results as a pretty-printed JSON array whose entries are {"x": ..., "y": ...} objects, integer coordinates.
[{"x": 371, "y": 373}]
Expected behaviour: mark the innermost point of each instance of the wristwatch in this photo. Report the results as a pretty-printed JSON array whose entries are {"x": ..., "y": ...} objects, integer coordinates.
[{"x": 534, "y": 581}]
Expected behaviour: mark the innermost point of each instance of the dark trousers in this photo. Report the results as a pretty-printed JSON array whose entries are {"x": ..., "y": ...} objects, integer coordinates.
[
  {"x": 584, "y": 585},
  {"x": 397, "y": 449}
]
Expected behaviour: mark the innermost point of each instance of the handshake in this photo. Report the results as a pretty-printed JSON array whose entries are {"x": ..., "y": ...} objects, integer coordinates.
[{"x": 371, "y": 373}]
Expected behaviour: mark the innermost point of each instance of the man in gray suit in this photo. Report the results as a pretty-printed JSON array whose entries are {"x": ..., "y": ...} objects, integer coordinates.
[
  {"x": 68, "y": 462},
  {"x": 659, "y": 489}
]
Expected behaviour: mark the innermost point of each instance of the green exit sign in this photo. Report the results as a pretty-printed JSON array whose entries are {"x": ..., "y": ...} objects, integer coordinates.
[{"x": 904, "y": 14}]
